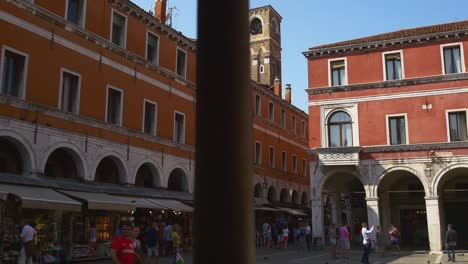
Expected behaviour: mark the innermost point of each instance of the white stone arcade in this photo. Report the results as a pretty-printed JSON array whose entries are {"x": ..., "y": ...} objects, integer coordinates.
[{"x": 420, "y": 196}]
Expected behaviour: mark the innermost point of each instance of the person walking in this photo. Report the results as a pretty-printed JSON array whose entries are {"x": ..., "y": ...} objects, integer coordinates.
[
  {"x": 366, "y": 242},
  {"x": 379, "y": 241},
  {"x": 168, "y": 238},
  {"x": 285, "y": 236},
  {"x": 27, "y": 238},
  {"x": 451, "y": 242},
  {"x": 394, "y": 239},
  {"x": 123, "y": 251},
  {"x": 152, "y": 240},
  {"x": 308, "y": 236},
  {"x": 345, "y": 244},
  {"x": 137, "y": 243},
  {"x": 267, "y": 234}
]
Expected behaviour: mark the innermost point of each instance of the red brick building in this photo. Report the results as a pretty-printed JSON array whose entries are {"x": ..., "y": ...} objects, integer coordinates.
[{"x": 388, "y": 133}]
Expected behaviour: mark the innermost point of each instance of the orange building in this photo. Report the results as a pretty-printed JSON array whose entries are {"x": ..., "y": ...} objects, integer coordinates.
[
  {"x": 97, "y": 118},
  {"x": 97, "y": 122},
  {"x": 279, "y": 128},
  {"x": 389, "y": 134}
]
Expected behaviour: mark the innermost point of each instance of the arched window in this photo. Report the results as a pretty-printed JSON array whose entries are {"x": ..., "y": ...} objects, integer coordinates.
[
  {"x": 256, "y": 26},
  {"x": 340, "y": 131}
]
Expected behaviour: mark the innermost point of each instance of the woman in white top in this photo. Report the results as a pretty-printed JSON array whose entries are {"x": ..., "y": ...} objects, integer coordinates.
[{"x": 366, "y": 242}]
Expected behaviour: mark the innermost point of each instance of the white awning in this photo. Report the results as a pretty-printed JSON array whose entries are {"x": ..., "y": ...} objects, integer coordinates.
[
  {"x": 292, "y": 211},
  {"x": 102, "y": 201},
  {"x": 142, "y": 203},
  {"x": 40, "y": 198},
  {"x": 262, "y": 208},
  {"x": 173, "y": 205}
]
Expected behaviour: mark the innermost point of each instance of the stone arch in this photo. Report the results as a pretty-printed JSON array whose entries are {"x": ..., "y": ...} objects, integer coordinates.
[
  {"x": 295, "y": 197},
  {"x": 256, "y": 25},
  {"x": 440, "y": 175},
  {"x": 178, "y": 181},
  {"x": 75, "y": 153},
  {"x": 379, "y": 179},
  {"x": 344, "y": 171},
  {"x": 24, "y": 149},
  {"x": 271, "y": 195},
  {"x": 154, "y": 169},
  {"x": 258, "y": 191},
  {"x": 334, "y": 111},
  {"x": 284, "y": 196},
  {"x": 120, "y": 165}
]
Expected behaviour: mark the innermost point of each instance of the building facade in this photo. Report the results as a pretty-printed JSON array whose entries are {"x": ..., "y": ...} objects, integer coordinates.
[
  {"x": 388, "y": 134},
  {"x": 279, "y": 128},
  {"x": 97, "y": 118},
  {"x": 96, "y": 99}
]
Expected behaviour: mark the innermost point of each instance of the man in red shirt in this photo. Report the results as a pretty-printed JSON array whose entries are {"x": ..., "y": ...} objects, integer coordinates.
[{"x": 122, "y": 248}]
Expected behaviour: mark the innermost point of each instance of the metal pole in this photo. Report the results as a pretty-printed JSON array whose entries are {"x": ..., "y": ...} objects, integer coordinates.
[{"x": 224, "y": 215}]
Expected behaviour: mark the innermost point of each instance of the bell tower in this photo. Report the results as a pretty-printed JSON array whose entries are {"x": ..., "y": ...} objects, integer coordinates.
[{"x": 265, "y": 45}]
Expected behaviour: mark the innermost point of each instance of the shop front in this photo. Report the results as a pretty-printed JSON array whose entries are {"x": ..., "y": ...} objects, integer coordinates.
[
  {"x": 91, "y": 231},
  {"x": 180, "y": 214},
  {"x": 41, "y": 208}
]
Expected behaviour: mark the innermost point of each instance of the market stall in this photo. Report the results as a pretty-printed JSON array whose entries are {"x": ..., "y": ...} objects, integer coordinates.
[
  {"x": 93, "y": 230},
  {"x": 43, "y": 209}
]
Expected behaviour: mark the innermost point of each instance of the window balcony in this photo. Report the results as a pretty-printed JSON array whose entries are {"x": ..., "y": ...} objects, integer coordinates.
[{"x": 339, "y": 156}]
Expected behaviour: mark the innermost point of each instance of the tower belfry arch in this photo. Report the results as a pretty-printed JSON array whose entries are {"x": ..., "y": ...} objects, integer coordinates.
[{"x": 265, "y": 36}]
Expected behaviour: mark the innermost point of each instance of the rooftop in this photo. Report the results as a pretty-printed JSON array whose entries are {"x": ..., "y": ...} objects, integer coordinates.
[{"x": 403, "y": 33}]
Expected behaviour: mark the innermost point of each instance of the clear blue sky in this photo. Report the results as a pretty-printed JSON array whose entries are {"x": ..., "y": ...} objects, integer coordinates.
[{"x": 308, "y": 23}]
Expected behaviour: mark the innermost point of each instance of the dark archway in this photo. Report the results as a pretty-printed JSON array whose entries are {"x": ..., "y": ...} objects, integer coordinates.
[
  {"x": 12, "y": 159},
  {"x": 401, "y": 202},
  {"x": 147, "y": 176},
  {"x": 452, "y": 190},
  {"x": 177, "y": 181},
  {"x": 256, "y": 26},
  {"x": 295, "y": 197},
  {"x": 344, "y": 202},
  {"x": 64, "y": 163},
  {"x": 258, "y": 192},
  {"x": 109, "y": 170},
  {"x": 271, "y": 194},
  {"x": 284, "y": 196}
]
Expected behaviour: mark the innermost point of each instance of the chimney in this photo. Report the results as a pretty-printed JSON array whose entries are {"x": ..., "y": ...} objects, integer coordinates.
[
  {"x": 287, "y": 93},
  {"x": 160, "y": 10},
  {"x": 277, "y": 85}
]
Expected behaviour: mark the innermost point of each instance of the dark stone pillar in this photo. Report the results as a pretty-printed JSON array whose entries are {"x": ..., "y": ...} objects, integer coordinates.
[{"x": 224, "y": 215}]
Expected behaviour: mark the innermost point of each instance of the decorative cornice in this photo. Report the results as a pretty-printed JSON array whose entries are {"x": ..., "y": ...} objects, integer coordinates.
[
  {"x": 375, "y": 45},
  {"x": 416, "y": 147},
  {"x": 389, "y": 84}
]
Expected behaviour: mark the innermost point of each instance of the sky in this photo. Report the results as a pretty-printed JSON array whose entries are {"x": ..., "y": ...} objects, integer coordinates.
[{"x": 308, "y": 23}]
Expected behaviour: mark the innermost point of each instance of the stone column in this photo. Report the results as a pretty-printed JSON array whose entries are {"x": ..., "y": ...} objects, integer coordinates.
[
  {"x": 333, "y": 209},
  {"x": 373, "y": 217},
  {"x": 349, "y": 210},
  {"x": 433, "y": 224},
  {"x": 317, "y": 218},
  {"x": 223, "y": 82},
  {"x": 339, "y": 208}
]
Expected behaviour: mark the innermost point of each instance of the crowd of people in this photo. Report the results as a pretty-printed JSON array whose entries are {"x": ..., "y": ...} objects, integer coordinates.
[
  {"x": 279, "y": 234},
  {"x": 135, "y": 245}
]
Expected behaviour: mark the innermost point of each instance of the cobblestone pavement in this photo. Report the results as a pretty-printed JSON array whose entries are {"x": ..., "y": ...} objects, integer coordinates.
[{"x": 294, "y": 256}]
